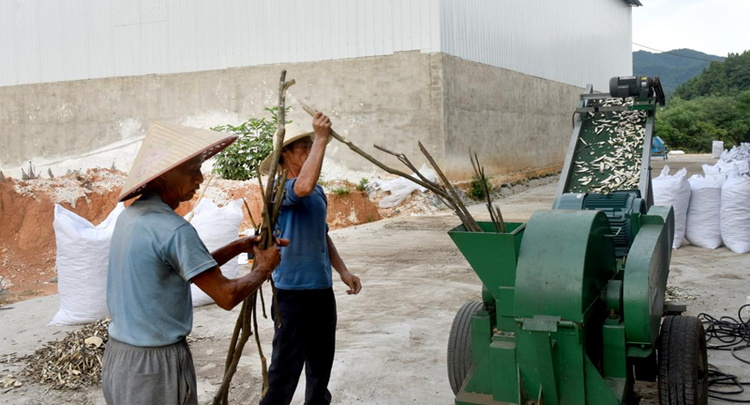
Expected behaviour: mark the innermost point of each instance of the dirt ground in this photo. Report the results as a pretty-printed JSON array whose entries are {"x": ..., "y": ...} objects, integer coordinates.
[
  {"x": 27, "y": 236},
  {"x": 392, "y": 338}
]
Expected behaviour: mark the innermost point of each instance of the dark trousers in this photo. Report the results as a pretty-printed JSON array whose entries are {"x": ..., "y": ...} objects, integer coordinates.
[{"x": 307, "y": 337}]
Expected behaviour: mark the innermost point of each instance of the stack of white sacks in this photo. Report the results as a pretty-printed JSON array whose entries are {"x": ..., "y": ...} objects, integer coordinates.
[
  {"x": 216, "y": 228},
  {"x": 83, "y": 255},
  {"x": 712, "y": 209}
]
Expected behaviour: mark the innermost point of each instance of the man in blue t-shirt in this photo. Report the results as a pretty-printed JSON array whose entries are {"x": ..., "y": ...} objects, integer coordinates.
[
  {"x": 154, "y": 256},
  {"x": 307, "y": 333}
]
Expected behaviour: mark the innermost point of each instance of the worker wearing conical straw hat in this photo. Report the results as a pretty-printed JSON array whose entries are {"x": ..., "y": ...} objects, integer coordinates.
[
  {"x": 154, "y": 256},
  {"x": 304, "y": 294}
]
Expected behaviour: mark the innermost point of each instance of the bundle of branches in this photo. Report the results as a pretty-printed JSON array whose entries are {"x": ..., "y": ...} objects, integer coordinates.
[
  {"x": 495, "y": 215},
  {"x": 247, "y": 321},
  {"x": 444, "y": 190}
]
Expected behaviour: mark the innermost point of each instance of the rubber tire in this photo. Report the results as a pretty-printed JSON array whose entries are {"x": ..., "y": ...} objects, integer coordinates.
[
  {"x": 459, "y": 345},
  {"x": 683, "y": 362}
]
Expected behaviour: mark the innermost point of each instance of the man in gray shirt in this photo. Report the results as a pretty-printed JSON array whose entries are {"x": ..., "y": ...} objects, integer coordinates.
[{"x": 154, "y": 256}]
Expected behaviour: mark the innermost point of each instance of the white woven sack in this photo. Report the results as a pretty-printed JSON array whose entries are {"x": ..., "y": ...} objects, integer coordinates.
[
  {"x": 734, "y": 167},
  {"x": 401, "y": 188},
  {"x": 82, "y": 259},
  {"x": 216, "y": 228},
  {"x": 675, "y": 191},
  {"x": 714, "y": 170},
  {"x": 717, "y": 149},
  {"x": 704, "y": 213},
  {"x": 735, "y": 213}
]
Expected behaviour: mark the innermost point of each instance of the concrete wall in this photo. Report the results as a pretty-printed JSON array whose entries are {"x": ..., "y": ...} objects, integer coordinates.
[
  {"x": 513, "y": 121},
  {"x": 390, "y": 100}
]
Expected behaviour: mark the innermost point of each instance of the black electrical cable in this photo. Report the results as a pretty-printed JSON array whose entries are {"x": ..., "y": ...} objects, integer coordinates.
[
  {"x": 732, "y": 335},
  {"x": 677, "y": 54}
]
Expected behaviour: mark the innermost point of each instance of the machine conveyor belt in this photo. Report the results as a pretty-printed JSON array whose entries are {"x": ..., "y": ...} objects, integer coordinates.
[{"x": 609, "y": 150}]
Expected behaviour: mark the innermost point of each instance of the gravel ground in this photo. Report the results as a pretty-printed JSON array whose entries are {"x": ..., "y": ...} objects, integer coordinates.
[{"x": 392, "y": 337}]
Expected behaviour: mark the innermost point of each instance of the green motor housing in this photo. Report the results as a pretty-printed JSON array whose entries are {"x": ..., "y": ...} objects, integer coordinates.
[{"x": 622, "y": 208}]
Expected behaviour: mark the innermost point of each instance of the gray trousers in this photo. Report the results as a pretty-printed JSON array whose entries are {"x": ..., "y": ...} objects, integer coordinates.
[{"x": 134, "y": 375}]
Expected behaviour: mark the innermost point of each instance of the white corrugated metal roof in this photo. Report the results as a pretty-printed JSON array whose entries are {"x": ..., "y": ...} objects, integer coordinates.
[
  {"x": 578, "y": 42},
  {"x": 48, "y": 41}
]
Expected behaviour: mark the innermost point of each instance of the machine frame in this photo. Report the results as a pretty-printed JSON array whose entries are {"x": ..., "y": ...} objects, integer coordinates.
[{"x": 573, "y": 300}]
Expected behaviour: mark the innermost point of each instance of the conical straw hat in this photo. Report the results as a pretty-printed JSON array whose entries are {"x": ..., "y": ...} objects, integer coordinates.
[
  {"x": 165, "y": 147},
  {"x": 293, "y": 132}
]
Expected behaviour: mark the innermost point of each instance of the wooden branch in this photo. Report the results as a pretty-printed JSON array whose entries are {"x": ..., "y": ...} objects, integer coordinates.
[
  {"x": 276, "y": 155},
  {"x": 495, "y": 215},
  {"x": 271, "y": 206},
  {"x": 362, "y": 153},
  {"x": 276, "y": 303},
  {"x": 280, "y": 193},
  {"x": 280, "y": 131},
  {"x": 264, "y": 213},
  {"x": 267, "y": 220},
  {"x": 500, "y": 219},
  {"x": 438, "y": 190},
  {"x": 288, "y": 84},
  {"x": 260, "y": 290},
  {"x": 235, "y": 336},
  {"x": 473, "y": 226},
  {"x": 250, "y": 214},
  {"x": 223, "y": 393},
  {"x": 262, "y": 301},
  {"x": 263, "y": 363},
  {"x": 455, "y": 203},
  {"x": 479, "y": 175},
  {"x": 405, "y": 160}
]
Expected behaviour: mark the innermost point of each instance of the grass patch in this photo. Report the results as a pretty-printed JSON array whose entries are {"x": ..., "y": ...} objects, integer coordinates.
[
  {"x": 341, "y": 191},
  {"x": 476, "y": 192},
  {"x": 362, "y": 185}
]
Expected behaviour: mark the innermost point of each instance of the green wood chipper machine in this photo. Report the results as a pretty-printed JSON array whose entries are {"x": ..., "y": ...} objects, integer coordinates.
[{"x": 573, "y": 305}]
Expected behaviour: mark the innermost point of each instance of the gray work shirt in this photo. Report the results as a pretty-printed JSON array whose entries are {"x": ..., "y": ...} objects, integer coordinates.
[{"x": 153, "y": 256}]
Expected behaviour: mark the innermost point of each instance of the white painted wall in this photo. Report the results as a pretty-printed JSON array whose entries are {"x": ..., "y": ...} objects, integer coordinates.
[
  {"x": 576, "y": 42},
  {"x": 57, "y": 40},
  {"x": 571, "y": 41}
]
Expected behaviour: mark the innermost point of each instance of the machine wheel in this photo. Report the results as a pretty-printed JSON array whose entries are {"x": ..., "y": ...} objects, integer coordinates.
[
  {"x": 683, "y": 362},
  {"x": 459, "y": 345}
]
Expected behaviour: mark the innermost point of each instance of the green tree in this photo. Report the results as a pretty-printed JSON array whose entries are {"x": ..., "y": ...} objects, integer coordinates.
[
  {"x": 692, "y": 125},
  {"x": 725, "y": 78},
  {"x": 712, "y": 106},
  {"x": 238, "y": 161}
]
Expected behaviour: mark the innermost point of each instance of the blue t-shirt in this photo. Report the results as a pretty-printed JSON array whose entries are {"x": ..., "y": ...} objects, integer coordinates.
[
  {"x": 305, "y": 264},
  {"x": 153, "y": 255}
]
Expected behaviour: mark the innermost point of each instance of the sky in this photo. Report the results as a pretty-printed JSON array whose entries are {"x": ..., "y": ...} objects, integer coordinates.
[{"x": 716, "y": 27}]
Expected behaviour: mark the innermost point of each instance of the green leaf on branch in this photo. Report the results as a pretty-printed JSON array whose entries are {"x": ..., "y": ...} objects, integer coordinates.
[{"x": 255, "y": 143}]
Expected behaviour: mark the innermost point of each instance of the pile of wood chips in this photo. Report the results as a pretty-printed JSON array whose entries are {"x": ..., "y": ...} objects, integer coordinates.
[
  {"x": 73, "y": 362},
  {"x": 678, "y": 294}
]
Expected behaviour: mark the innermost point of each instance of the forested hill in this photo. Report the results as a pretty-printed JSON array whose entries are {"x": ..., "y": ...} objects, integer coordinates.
[
  {"x": 672, "y": 69},
  {"x": 728, "y": 78},
  {"x": 712, "y": 106}
]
